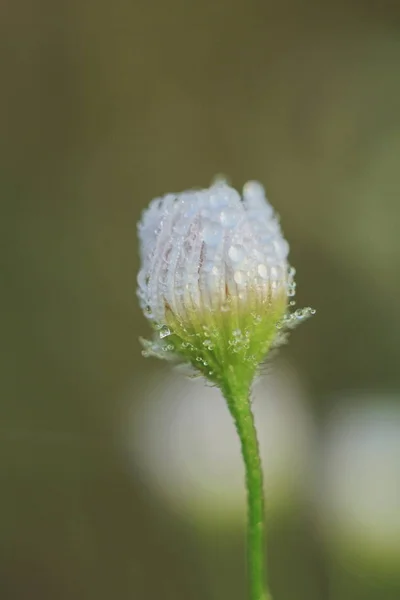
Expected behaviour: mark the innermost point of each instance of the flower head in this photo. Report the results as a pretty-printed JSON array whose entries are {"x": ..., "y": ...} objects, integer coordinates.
[{"x": 215, "y": 281}]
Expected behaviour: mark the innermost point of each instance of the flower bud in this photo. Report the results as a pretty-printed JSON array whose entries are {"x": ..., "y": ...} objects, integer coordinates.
[{"x": 215, "y": 281}]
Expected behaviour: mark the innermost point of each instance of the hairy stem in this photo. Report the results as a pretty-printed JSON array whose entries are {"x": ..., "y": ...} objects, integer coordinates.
[{"x": 240, "y": 408}]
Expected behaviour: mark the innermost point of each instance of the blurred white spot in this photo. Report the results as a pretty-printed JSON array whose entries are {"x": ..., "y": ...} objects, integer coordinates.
[
  {"x": 182, "y": 440},
  {"x": 359, "y": 483}
]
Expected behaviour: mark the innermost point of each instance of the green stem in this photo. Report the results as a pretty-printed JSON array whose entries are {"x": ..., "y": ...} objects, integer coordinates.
[{"x": 240, "y": 408}]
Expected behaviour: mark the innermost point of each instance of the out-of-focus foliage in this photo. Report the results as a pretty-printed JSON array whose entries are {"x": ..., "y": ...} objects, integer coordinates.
[{"x": 104, "y": 106}]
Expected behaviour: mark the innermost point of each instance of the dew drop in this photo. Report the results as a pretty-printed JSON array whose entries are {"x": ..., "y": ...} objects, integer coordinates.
[
  {"x": 228, "y": 218},
  {"x": 275, "y": 273},
  {"x": 262, "y": 271},
  {"x": 208, "y": 344},
  {"x": 164, "y": 331},
  {"x": 236, "y": 253},
  {"x": 239, "y": 277},
  {"x": 212, "y": 234},
  {"x": 312, "y": 311}
]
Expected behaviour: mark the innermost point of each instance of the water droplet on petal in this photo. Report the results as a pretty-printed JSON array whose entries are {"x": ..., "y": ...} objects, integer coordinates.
[
  {"x": 262, "y": 271},
  {"x": 208, "y": 344},
  {"x": 164, "y": 331},
  {"x": 228, "y": 218},
  {"x": 236, "y": 253},
  {"x": 212, "y": 234},
  {"x": 239, "y": 277},
  {"x": 275, "y": 273}
]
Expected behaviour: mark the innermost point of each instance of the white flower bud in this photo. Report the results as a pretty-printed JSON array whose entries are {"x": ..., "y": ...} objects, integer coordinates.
[{"x": 215, "y": 276}]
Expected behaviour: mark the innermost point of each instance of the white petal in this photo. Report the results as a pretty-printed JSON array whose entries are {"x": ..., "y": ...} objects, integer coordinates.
[{"x": 197, "y": 246}]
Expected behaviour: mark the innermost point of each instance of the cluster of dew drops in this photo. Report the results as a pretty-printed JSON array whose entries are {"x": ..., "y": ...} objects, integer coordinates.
[
  {"x": 291, "y": 319},
  {"x": 162, "y": 349}
]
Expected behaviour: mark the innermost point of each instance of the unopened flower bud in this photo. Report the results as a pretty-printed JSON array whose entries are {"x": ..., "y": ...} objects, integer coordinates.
[{"x": 215, "y": 281}]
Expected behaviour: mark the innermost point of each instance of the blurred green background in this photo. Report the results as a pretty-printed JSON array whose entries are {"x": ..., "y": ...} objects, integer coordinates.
[{"x": 103, "y": 106}]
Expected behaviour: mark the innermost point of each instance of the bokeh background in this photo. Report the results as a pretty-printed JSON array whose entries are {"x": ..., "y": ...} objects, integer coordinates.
[{"x": 112, "y": 485}]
